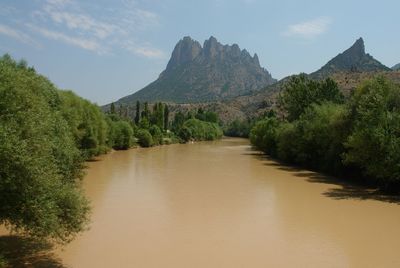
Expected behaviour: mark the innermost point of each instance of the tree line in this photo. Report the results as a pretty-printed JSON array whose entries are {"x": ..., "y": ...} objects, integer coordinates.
[
  {"x": 47, "y": 134},
  {"x": 319, "y": 128}
]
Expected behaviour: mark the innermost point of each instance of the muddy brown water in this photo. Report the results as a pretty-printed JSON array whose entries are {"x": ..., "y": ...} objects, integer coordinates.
[{"x": 220, "y": 204}]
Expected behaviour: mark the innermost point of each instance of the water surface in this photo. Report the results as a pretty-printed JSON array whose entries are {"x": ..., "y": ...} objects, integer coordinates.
[{"x": 220, "y": 204}]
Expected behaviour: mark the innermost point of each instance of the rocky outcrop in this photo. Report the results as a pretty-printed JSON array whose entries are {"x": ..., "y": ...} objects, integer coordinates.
[
  {"x": 211, "y": 72},
  {"x": 353, "y": 59}
]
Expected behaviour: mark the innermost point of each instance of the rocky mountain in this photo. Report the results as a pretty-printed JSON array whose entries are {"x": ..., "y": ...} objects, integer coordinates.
[
  {"x": 348, "y": 69},
  {"x": 211, "y": 72},
  {"x": 353, "y": 59},
  {"x": 396, "y": 67}
]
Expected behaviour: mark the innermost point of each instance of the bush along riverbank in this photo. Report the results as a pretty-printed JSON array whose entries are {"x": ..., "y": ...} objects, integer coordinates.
[
  {"x": 319, "y": 128},
  {"x": 47, "y": 134}
]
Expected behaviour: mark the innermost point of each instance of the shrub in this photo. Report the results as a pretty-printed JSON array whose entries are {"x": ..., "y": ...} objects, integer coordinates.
[
  {"x": 263, "y": 135},
  {"x": 194, "y": 129},
  {"x": 144, "y": 138},
  {"x": 122, "y": 135},
  {"x": 156, "y": 134}
]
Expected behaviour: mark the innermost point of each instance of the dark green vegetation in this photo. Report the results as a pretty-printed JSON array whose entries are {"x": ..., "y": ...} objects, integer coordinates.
[
  {"x": 154, "y": 127},
  {"x": 195, "y": 129},
  {"x": 199, "y": 74},
  {"x": 46, "y": 135},
  {"x": 319, "y": 129},
  {"x": 239, "y": 128},
  {"x": 40, "y": 160}
]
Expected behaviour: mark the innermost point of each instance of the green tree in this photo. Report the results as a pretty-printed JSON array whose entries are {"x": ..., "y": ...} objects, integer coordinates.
[
  {"x": 87, "y": 123},
  {"x": 40, "y": 164},
  {"x": 122, "y": 135},
  {"x": 146, "y": 111},
  {"x": 374, "y": 144},
  {"x": 194, "y": 129},
  {"x": 137, "y": 116},
  {"x": 144, "y": 138},
  {"x": 320, "y": 134},
  {"x": 166, "y": 117},
  {"x": 112, "y": 108},
  {"x": 238, "y": 128},
  {"x": 263, "y": 135},
  {"x": 300, "y": 92},
  {"x": 156, "y": 134},
  {"x": 178, "y": 121}
]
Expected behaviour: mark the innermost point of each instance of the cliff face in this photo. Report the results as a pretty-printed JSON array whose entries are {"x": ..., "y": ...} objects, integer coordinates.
[
  {"x": 210, "y": 72},
  {"x": 353, "y": 59}
]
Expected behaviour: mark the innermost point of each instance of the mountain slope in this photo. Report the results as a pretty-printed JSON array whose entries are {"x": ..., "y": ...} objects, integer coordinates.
[
  {"x": 396, "y": 67},
  {"x": 353, "y": 59},
  {"x": 209, "y": 73}
]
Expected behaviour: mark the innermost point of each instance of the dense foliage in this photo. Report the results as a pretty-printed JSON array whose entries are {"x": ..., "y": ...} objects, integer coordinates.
[
  {"x": 46, "y": 135},
  {"x": 144, "y": 138},
  {"x": 195, "y": 129},
  {"x": 40, "y": 162},
  {"x": 374, "y": 143},
  {"x": 300, "y": 92},
  {"x": 86, "y": 122},
  {"x": 238, "y": 128},
  {"x": 122, "y": 135},
  {"x": 324, "y": 132}
]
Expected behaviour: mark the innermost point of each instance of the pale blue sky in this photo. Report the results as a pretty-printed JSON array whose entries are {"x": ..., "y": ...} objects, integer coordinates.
[{"x": 104, "y": 50}]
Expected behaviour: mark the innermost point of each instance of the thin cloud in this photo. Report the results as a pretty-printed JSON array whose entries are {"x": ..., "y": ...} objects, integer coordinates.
[
  {"x": 78, "y": 21},
  {"x": 86, "y": 26},
  {"x": 308, "y": 29},
  {"x": 17, "y": 35},
  {"x": 78, "y": 42},
  {"x": 144, "y": 50}
]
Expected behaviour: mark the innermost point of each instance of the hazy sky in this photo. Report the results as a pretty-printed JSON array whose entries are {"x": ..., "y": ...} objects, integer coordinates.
[{"x": 104, "y": 50}]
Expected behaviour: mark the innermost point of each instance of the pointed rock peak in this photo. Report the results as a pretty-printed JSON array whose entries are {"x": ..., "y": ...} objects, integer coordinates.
[
  {"x": 235, "y": 47},
  {"x": 187, "y": 38},
  {"x": 358, "y": 48},
  {"x": 211, "y": 42},
  {"x": 359, "y": 44},
  {"x": 255, "y": 59},
  {"x": 359, "y": 41},
  {"x": 245, "y": 52},
  {"x": 212, "y": 39},
  {"x": 352, "y": 59},
  {"x": 185, "y": 50},
  {"x": 212, "y": 47}
]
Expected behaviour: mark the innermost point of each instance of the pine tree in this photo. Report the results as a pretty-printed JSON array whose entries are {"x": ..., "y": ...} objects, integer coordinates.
[
  {"x": 137, "y": 116},
  {"x": 112, "y": 108},
  {"x": 166, "y": 117}
]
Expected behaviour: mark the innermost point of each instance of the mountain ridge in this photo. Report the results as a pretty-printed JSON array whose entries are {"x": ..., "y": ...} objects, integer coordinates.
[
  {"x": 353, "y": 59},
  {"x": 211, "y": 72}
]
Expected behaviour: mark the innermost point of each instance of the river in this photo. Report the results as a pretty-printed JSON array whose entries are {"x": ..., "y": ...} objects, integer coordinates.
[{"x": 220, "y": 204}]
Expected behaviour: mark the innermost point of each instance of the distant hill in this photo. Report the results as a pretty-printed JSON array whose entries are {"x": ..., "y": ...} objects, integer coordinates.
[
  {"x": 211, "y": 72},
  {"x": 396, "y": 67},
  {"x": 353, "y": 59}
]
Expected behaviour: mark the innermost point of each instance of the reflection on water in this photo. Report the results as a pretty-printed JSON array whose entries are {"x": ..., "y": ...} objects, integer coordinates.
[{"x": 219, "y": 204}]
